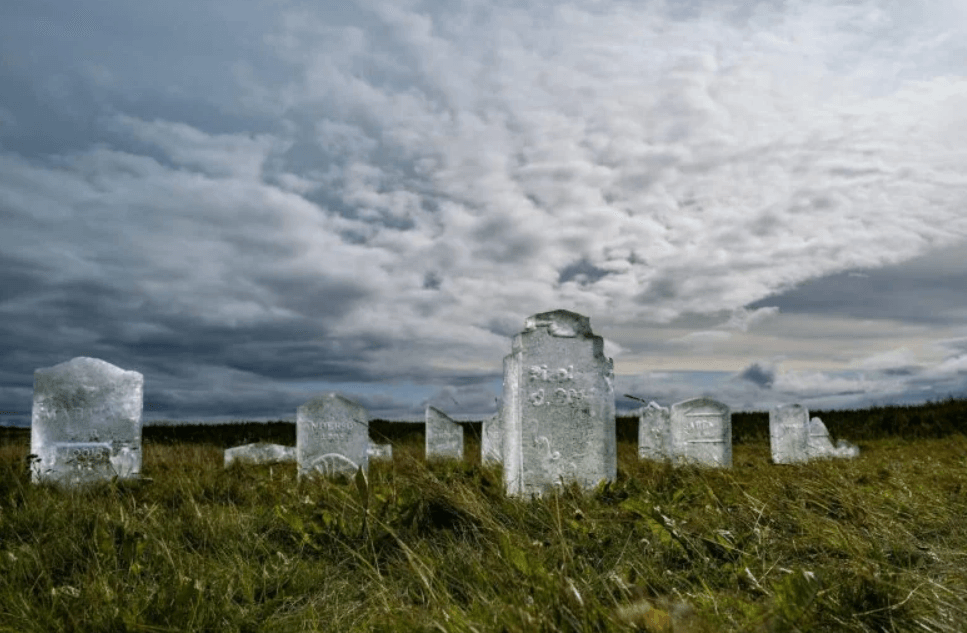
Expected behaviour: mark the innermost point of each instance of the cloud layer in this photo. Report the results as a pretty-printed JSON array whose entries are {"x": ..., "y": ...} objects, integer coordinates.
[{"x": 379, "y": 194}]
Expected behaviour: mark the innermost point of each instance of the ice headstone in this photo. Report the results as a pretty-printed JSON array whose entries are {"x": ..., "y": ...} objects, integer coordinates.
[
  {"x": 332, "y": 436},
  {"x": 444, "y": 436},
  {"x": 701, "y": 432},
  {"x": 491, "y": 440},
  {"x": 380, "y": 451},
  {"x": 86, "y": 422},
  {"x": 260, "y": 453},
  {"x": 820, "y": 444},
  {"x": 789, "y": 433},
  {"x": 795, "y": 438},
  {"x": 558, "y": 406},
  {"x": 654, "y": 432}
]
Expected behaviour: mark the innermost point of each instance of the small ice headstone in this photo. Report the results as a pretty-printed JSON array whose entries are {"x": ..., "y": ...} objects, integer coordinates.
[
  {"x": 444, "y": 436},
  {"x": 260, "y": 453},
  {"x": 332, "y": 436},
  {"x": 795, "y": 438},
  {"x": 491, "y": 440},
  {"x": 701, "y": 432},
  {"x": 86, "y": 422},
  {"x": 558, "y": 411},
  {"x": 654, "y": 432},
  {"x": 380, "y": 451},
  {"x": 789, "y": 433},
  {"x": 820, "y": 444}
]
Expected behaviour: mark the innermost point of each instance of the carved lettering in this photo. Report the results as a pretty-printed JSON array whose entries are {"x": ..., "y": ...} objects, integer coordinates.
[
  {"x": 560, "y": 397},
  {"x": 541, "y": 373},
  {"x": 537, "y": 398}
]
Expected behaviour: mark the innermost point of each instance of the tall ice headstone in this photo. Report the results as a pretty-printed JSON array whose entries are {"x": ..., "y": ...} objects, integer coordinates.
[
  {"x": 86, "y": 422},
  {"x": 654, "y": 432},
  {"x": 558, "y": 406},
  {"x": 444, "y": 436},
  {"x": 332, "y": 436},
  {"x": 701, "y": 432}
]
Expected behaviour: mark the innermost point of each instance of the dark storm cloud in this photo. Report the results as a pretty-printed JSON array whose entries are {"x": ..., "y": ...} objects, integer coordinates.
[
  {"x": 759, "y": 375},
  {"x": 927, "y": 289},
  {"x": 239, "y": 198}
]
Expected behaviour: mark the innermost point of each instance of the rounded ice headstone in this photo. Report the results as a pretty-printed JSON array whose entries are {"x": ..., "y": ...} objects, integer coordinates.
[
  {"x": 332, "y": 436},
  {"x": 86, "y": 422},
  {"x": 701, "y": 432}
]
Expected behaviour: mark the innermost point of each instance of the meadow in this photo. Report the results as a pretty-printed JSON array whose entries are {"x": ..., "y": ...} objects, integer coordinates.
[{"x": 878, "y": 543}]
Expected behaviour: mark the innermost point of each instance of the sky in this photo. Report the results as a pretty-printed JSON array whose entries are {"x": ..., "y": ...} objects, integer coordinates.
[{"x": 252, "y": 203}]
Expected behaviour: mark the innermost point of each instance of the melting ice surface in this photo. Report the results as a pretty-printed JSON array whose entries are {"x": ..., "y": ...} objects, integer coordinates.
[{"x": 86, "y": 422}]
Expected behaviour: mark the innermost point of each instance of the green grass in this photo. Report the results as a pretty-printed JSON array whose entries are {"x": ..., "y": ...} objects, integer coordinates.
[{"x": 878, "y": 543}]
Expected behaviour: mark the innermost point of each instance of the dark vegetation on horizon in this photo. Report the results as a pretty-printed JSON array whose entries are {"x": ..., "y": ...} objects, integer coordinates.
[{"x": 929, "y": 420}]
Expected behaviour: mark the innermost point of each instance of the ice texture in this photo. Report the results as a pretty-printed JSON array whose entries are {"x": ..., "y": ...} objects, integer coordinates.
[
  {"x": 795, "y": 438},
  {"x": 558, "y": 411},
  {"x": 701, "y": 432},
  {"x": 86, "y": 422},
  {"x": 380, "y": 451},
  {"x": 491, "y": 440},
  {"x": 444, "y": 436},
  {"x": 654, "y": 432},
  {"x": 789, "y": 433},
  {"x": 260, "y": 453},
  {"x": 332, "y": 436}
]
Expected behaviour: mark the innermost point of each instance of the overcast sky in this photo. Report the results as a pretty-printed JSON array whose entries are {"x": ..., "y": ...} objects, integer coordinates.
[{"x": 255, "y": 202}]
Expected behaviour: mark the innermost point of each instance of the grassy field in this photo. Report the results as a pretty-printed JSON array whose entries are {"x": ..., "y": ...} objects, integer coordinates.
[{"x": 878, "y": 543}]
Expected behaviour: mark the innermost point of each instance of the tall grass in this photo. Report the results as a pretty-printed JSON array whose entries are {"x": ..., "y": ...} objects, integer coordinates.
[{"x": 878, "y": 543}]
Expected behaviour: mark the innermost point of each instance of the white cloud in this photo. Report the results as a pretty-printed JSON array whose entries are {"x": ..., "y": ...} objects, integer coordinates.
[
  {"x": 433, "y": 171},
  {"x": 742, "y": 319},
  {"x": 900, "y": 358},
  {"x": 705, "y": 339},
  {"x": 219, "y": 155}
]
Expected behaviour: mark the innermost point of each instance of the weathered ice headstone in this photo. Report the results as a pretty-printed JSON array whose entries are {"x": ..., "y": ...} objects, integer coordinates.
[
  {"x": 789, "y": 433},
  {"x": 796, "y": 438},
  {"x": 820, "y": 444},
  {"x": 701, "y": 432},
  {"x": 380, "y": 451},
  {"x": 558, "y": 406},
  {"x": 444, "y": 436},
  {"x": 332, "y": 436},
  {"x": 654, "y": 432},
  {"x": 86, "y": 422},
  {"x": 491, "y": 440},
  {"x": 260, "y": 453}
]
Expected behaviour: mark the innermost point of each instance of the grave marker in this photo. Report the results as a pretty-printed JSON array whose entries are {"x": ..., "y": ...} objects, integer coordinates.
[
  {"x": 558, "y": 412},
  {"x": 260, "y": 453},
  {"x": 491, "y": 440},
  {"x": 701, "y": 432},
  {"x": 86, "y": 422},
  {"x": 332, "y": 436},
  {"x": 380, "y": 451},
  {"x": 443, "y": 436},
  {"x": 795, "y": 438},
  {"x": 654, "y": 432},
  {"x": 789, "y": 433},
  {"x": 821, "y": 445}
]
